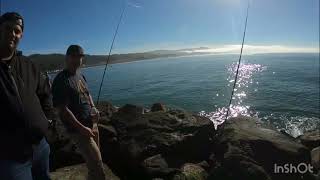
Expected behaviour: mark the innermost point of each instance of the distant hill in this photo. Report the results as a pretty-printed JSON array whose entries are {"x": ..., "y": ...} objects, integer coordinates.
[{"x": 52, "y": 62}]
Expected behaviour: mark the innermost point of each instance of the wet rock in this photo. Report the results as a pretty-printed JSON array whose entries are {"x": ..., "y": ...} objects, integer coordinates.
[
  {"x": 109, "y": 133},
  {"x": 157, "y": 167},
  {"x": 78, "y": 172},
  {"x": 204, "y": 164},
  {"x": 178, "y": 136},
  {"x": 236, "y": 168},
  {"x": 315, "y": 158},
  {"x": 193, "y": 171},
  {"x": 156, "y": 161},
  {"x": 248, "y": 149},
  {"x": 311, "y": 139},
  {"x": 175, "y": 144},
  {"x": 106, "y": 109},
  {"x": 63, "y": 150},
  {"x": 158, "y": 107},
  {"x": 131, "y": 110}
]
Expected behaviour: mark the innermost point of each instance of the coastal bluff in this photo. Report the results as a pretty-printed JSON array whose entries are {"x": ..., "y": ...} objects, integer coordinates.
[{"x": 170, "y": 144}]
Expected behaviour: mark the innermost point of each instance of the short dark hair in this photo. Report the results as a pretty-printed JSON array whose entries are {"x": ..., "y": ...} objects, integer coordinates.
[
  {"x": 75, "y": 50},
  {"x": 12, "y": 16}
]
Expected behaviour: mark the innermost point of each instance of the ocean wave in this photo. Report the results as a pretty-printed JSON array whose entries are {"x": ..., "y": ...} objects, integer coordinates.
[{"x": 293, "y": 125}]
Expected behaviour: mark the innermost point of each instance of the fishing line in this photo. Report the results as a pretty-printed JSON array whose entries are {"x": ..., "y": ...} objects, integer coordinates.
[
  {"x": 110, "y": 50},
  {"x": 239, "y": 61}
]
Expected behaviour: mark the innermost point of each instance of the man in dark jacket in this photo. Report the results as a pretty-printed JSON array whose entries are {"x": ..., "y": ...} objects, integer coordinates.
[{"x": 24, "y": 104}]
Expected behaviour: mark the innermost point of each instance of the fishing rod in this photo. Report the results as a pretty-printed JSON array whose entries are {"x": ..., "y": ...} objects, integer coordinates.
[
  {"x": 110, "y": 50},
  {"x": 239, "y": 61}
]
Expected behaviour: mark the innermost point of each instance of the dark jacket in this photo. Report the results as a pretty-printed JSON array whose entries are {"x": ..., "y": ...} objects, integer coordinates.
[{"x": 25, "y": 101}]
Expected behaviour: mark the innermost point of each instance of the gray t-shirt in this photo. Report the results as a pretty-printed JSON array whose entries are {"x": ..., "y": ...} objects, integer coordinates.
[{"x": 72, "y": 90}]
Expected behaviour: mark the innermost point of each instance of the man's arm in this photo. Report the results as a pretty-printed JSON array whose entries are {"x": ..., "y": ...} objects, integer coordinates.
[
  {"x": 91, "y": 101},
  {"x": 67, "y": 116},
  {"x": 61, "y": 101}
]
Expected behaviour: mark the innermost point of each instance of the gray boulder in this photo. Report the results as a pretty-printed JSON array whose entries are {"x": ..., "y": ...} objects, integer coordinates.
[
  {"x": 179, "y": 137},
  {"x": 311, "y": 139},
  {"x": 78, "y": 172},
  {"x": 63, "y": 150},
  {"x": 191, "y": 171},
  {"x": 158, "y": 107},
  {"x": 247, "y": 149},
  {"x": 315, "y": 158}
]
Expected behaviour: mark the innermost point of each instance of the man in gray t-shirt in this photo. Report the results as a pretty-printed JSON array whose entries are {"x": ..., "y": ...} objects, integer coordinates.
[
  {"x": 74, "y": 103},
  {"x": 71, "y": 89}
]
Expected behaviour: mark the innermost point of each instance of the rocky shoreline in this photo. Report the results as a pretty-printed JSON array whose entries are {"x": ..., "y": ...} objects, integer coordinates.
[{"x": 177, "y": 145}]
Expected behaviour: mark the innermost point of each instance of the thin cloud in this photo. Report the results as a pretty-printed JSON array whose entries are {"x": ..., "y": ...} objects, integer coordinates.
[
  {"x": 255, "y": 49},
  {"x": 134, "y": 5}
]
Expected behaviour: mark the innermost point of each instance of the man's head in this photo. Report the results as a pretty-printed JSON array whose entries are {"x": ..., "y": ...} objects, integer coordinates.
[
  {"x": 11, "y": 30},
  {"x": 74, "y": 57}
]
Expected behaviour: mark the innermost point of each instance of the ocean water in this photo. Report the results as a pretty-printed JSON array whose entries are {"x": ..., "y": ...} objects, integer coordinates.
[{"x": 281, "y": 89}]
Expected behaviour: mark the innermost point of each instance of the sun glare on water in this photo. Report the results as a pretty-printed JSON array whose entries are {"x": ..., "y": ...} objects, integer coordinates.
[{"x": 245, "y": 80}]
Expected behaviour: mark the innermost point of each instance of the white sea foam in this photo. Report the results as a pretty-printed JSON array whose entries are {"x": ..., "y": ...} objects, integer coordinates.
[{"x": 293, "y": 125}]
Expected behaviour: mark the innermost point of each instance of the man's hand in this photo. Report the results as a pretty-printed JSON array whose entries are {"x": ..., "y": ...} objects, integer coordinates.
[
  {"x": 95, "y": 115},
  {"x": 87, "y": 132}
]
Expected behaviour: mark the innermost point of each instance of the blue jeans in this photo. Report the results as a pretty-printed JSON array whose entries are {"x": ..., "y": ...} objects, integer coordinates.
[{"x": 36, "y": 168}]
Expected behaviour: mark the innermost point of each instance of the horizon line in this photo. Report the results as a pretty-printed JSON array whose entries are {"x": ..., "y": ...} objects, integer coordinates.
[{"x": 222, "y": 49}]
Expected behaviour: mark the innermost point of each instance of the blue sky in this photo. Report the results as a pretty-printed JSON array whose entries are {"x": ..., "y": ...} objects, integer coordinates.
[{"x": 50, "y": 26}]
